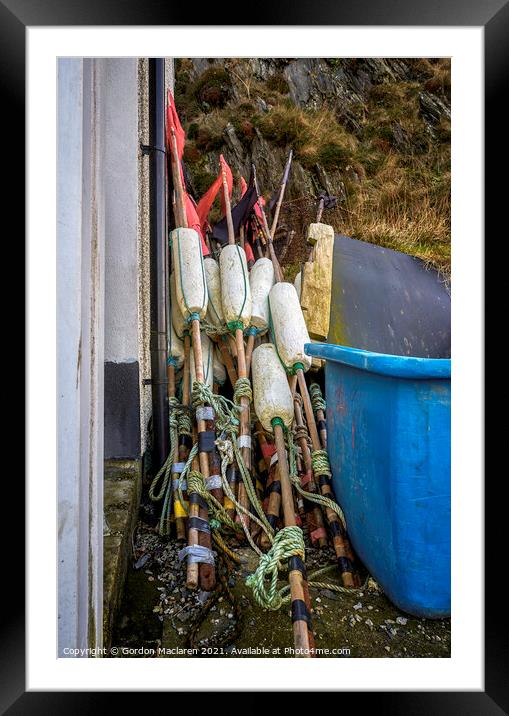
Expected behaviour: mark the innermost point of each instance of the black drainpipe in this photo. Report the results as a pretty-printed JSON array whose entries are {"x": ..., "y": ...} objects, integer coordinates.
[{"x": 159, "y": 295}]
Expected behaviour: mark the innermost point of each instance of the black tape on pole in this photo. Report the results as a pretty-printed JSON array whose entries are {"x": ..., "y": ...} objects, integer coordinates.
[
  {"x": 296, "y": 563},
  {"x": 206, "y": 441},
  {"x": 344, "y": 564},
  {"x": 198, "y": 523},
  {"x": 196, "y": 499},
  {"x": 300, "y": 612}
]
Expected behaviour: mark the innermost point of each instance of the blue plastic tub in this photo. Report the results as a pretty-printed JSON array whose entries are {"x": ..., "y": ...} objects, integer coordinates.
[{"x": 389, "y": 442}]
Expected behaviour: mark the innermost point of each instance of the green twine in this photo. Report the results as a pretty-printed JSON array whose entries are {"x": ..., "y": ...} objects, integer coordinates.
[
  {"x": 242, "y": 390},
  {"x": 295, "y": 367},
  {"x": 179, "y": 423},
  {"x": 288, "y": 542},
  {"x": 320, "y": 462},
  {"x": 317, "y": 400}
]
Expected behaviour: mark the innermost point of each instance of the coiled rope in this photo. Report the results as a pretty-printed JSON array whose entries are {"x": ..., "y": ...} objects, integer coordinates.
[
  {"x": 288, "y": 542},
  {"x": 317, "y": 400},
  {"x": 179, "y": 424}
]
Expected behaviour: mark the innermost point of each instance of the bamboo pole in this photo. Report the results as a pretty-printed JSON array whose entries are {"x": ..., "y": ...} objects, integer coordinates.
[
  {"x": 245, "y": 427},
  {"x": 302, "y": 632},
  {"x": 205, "y": 572}
]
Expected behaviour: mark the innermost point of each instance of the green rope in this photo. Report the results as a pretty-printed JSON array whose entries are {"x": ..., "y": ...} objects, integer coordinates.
[
  {"x": 242, "y": 390},
  {"x": 321, "y": 466},
  {"x": 165, "y": 470},
  {"x": 317, "y": 400},
  {"x": 320, "y": 462},
  {"x": 227, "y": 451},
  {"x": 289, "y": 542},
  {"x": 179, "y": 424},
  {"x": 196, "y": 483}
]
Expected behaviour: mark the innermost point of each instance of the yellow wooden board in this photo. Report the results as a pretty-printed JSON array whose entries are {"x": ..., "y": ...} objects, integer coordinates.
[{"x": 315, "y": 297}]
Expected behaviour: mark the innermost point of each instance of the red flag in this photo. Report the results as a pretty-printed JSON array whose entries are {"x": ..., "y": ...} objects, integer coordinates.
[
  {"x": 243, "y": 186},
  {"x": 229, "y": 182},
  {"x": 257, "y": 209},
  {"x": 193, "y": 222},
  {"x": 172, "y": 120},
  {"x": 249, "y": 251},
  {"x": 203, "y": 207}
]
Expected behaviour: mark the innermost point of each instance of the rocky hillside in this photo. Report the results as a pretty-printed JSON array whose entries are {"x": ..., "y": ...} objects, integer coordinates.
[{"x": 373, "y": 132}]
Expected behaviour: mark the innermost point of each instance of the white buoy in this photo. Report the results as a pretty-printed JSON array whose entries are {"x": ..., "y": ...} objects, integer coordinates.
[
  {"x": 261, "y": 280},
  {"x": 175, "y": 349},
  {"x": 271, "y": 393},
  {"x": 289, "y": 326},
  {"x": 177, "y": 319},
  {"x": 213, "y": 280},
  {"x": 235, "y": 289},
  {"x": 190, "y": 285},
  {"x": 219, "y": 370},
  {"x": 207, "y": 348},
  {"x": 298, "y": 284}
]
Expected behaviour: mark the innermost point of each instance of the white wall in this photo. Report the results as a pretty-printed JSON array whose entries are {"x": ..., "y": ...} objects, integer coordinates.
[{"x": 80, "y": 321}]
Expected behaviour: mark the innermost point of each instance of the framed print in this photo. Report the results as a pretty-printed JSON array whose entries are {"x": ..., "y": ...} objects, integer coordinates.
[{"x": 266, "y": 268}]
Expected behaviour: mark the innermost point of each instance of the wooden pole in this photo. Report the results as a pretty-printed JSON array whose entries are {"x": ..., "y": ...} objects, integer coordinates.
[
  {"x": 302, "y": 631},
  {"x": 341, "y": 548},
  {"x": 205, "y": 572},
  {"x": 268, "y": 234},
  {"x": 281, "y": 195},
  {"x": 245, "y": 426},
  {"x": 185, "y": 444},
  {"x": 313, "y": 512},
  {"x": 320, "y": 210},
  {"x": 322, "y": 425}
]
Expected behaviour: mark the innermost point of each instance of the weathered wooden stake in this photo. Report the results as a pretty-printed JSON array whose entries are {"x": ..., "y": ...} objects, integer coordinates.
[{"x": 301, "y": 603}]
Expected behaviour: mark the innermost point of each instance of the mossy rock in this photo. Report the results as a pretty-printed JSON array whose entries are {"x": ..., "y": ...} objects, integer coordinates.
[{"x": 213, "y": 87}]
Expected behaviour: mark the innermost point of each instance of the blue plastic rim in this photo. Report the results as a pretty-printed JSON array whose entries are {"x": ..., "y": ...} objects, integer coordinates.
[
  {"x": 395, "y": 366},
  {"x": 389, "y": 443}
]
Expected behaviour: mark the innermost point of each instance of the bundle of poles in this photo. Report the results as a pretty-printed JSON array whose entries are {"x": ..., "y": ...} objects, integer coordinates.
[{"x": 254, "y": 469}]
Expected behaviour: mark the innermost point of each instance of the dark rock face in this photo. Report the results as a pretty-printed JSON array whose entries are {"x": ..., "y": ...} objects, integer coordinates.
[{"x": 372, "y": 100}]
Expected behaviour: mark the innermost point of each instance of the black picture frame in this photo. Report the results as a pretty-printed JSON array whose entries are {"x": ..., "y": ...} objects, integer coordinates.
[{"x": 493, "y": 15}]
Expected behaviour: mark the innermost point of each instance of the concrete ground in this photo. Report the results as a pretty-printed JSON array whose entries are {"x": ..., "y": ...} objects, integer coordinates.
[{"x": 158, "y": 613}]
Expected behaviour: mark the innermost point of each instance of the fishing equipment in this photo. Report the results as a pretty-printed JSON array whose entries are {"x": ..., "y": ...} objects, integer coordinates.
[
  {"x": 274, "y": 408},
  {"x": 317, "y": 531},
  {"x": 261, "y": 280},
  {"x": 177, "y": 319},
  {"x": 236, "y": 298},
  {"x": 190, "y": 284},
  {"x": 265, "y": 228},
  {"x": 321, "y": 469},
  {"x": 175, "y": 349},
  {"x": 284, "y": 182},
  {"x": 213, "y": 281},
  {"x": 192, "y": 298},
  {"x": 207, "y": 348},
  {"x": 297, "y": 282},
  {"x": 218, "y": 369},
  {"x": 271, "y": 394},
  {"x": 235, "y": 288},
  {"x": 319, "y": 406},
  {"x": 289, "y": 327}
]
